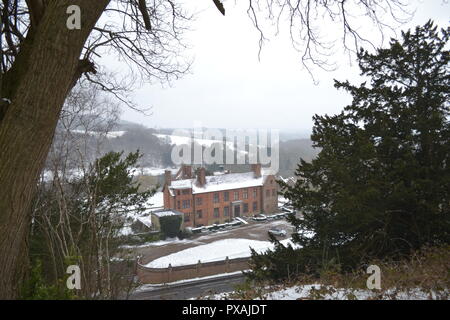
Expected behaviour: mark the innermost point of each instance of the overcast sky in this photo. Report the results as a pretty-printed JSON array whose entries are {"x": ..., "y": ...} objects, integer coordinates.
[{"x": 228, "y": 86}]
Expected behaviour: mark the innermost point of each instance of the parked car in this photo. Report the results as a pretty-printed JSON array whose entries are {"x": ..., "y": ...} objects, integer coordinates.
[
  {"x": 259, "y": 217},
  {"x": 235, "y": 223},
  {"x": 278, "y": 232}
]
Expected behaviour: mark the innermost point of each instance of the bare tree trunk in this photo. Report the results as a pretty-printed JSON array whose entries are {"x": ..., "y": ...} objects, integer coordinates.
[{"x": 37, "y": 85}]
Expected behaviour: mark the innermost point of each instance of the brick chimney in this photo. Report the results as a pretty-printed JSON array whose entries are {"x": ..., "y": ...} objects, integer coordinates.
[
  {"x": 201, "y": 177},
  {"x": 168, "y": 177},
  {"x": 186, "y": 171},
  {"x": 256, "y": 168}
]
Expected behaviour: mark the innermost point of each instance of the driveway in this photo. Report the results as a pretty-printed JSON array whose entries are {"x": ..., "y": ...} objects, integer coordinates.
[{"x": 253, "y": 231}]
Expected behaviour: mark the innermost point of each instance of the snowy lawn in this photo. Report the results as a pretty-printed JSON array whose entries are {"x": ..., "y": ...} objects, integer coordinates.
[{"x": 215, "y": 251}]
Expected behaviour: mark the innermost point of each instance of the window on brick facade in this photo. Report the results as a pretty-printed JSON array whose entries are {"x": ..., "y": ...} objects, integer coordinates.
[
  {"x": 236, "y": 195},
  {"x": 199, "y": 201},
  {"x": 273, "y": 192},
  {"x": 199, "y": 214},
  {"x": 178, "y": 204},
  {"x": 267, "y": 193},
  {"x": 187, "y": 217},
  {"x": 185, "y": 191},
  {"x": 245, "y": 194},
  {"x": 255, "y": 193},
  {"x": 255, "y": 206},
  {"x": 216, "y": 197},
  {"x": 245, "y": 210},
  {"x": 216, "y": 212},
  {"x": 226, "y": 196},
  {"x": 226, "y": 211},
  {"x": 186, "y": 204}
]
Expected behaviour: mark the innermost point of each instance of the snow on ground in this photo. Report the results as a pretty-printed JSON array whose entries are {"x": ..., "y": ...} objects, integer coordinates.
[
  {"x": 307, "y": 292},
  {"x": 215, "y": 251},
  {"x": 111, "y": 134},
  {"x": 157, "y": 243},
  {"x": 311, "y": 291}
]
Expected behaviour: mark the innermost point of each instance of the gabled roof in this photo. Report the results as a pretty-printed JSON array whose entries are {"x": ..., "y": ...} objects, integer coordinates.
[{"x": 227, "y": 181}]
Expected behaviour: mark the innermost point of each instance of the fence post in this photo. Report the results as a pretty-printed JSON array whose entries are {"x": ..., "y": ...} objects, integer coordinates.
[
  {"x": 227, "y": 264},
  {"x": 199, "y": 266},
  {"x": 169, "y": 275}
]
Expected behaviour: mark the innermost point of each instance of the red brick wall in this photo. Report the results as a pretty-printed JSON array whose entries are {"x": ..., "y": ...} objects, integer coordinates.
[
  {"x": 166, "y": 275},
  {"x": 168, "y": 200},
  {"x": 208, "y": 205},
  {"x": 270, "y": 195},
  {"x": 266, "y": 204},
  {"x": 177, "y": 201}
]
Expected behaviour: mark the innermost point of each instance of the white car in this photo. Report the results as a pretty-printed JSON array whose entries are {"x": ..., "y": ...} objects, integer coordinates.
[
  {"x": 259, "y": 217},
  {"x": 278, "y": 232}
]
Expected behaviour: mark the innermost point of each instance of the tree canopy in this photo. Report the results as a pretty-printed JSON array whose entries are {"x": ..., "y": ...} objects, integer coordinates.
[{"x": 380, "y": 186}]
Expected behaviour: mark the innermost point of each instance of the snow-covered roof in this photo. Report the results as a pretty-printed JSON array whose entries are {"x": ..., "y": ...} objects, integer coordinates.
[
  {"x": 157, "y": 200},
  {"x": 147, "y": 221},
  {"x": 165, "y": 213},
  {"x": 227, "y": 181},
  {"x": 182, "y": 184}
]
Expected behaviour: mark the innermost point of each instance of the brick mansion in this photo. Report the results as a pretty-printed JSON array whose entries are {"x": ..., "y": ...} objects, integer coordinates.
[{"x": 206, "y": 200}]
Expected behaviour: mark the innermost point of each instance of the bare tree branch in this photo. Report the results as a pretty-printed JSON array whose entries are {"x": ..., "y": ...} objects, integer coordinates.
[{"x": 219, "y": 6}]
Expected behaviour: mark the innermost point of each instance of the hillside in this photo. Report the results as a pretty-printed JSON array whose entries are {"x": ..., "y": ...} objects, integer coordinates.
[{"x": 156, "y": 146}]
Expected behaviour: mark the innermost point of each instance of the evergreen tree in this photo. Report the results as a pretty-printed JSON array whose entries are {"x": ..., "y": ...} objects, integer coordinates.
[
  {"x": 380, "y": 185},
  {"x": 80, "y": 223}
]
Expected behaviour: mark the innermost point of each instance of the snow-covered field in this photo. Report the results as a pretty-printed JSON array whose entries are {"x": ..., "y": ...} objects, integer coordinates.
[
  {"x": 153, "y": 171},
  {"x": 182, "y": 140},
  {"x": 215, "y": 251},
  {"x": 111, "y": 134}
]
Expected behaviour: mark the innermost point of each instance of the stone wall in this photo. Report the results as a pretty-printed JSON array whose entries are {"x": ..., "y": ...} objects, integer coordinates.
[{"x": 165, "y": 275}]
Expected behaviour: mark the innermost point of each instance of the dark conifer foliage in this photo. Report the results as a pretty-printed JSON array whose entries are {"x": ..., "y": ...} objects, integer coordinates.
[{"x": 380, "y": 186}]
